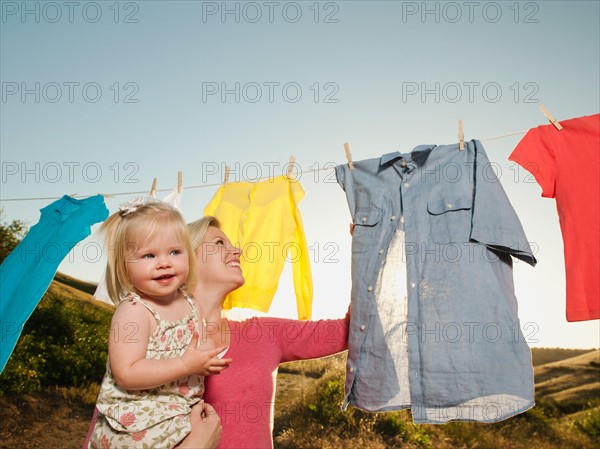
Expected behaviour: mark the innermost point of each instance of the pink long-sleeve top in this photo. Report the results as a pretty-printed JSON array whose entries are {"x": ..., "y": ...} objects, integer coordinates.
[{"x": 243, "y": 395}]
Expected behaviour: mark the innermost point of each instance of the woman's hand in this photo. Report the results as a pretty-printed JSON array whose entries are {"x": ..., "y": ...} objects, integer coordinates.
[
  {"x": 210, "y": 427},
  {"x": 206, "y": 428},
  {"x": 203, "y": 362}
]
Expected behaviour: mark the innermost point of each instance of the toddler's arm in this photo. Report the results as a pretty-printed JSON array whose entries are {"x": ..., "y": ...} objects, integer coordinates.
[{"x": 130, "y": 329}]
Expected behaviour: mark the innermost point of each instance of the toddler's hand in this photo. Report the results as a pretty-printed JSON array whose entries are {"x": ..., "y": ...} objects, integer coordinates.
[{"x": 203, "y": 362}]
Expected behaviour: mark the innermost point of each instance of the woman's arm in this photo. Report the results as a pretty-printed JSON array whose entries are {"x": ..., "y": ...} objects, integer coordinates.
[
  {"x": 300, "y": 340},
  {"x": 130, "y": 329}
]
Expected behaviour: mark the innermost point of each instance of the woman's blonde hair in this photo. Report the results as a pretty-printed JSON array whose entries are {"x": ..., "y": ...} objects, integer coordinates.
[
  {"x": 198, "y": 229},
  {"x": 124, "y": 229}
]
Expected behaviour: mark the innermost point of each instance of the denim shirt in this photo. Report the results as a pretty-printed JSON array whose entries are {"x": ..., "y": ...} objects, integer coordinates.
[{"x": 434, "y": 323}]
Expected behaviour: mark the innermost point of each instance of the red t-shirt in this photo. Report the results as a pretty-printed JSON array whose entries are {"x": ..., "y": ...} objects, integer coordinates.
[{"x": 566, "y": 164}]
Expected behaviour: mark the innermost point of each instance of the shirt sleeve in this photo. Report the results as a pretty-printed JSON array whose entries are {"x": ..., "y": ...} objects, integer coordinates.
[
  {"x": 301, "y": 272},
  {"x": 300, "y": 340},
  {"x": 536, "y": 155},
  {"x": 345, "y": 182},
  {"x": 494, "y": 221}
]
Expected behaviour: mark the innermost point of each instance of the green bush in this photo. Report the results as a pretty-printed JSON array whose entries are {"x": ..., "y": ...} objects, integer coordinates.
[
  {"x": 62, "y": 344},
  {"x": 326, "y": 410},
  {"x": 590, "y": 424},
  {"x": 544, "y": 411},
  {"x": 392, "y": 425},
  {"x": 25, "y": 369},
  {"x": 10, "y": 235},
  {"x": 327, "y": 407}
]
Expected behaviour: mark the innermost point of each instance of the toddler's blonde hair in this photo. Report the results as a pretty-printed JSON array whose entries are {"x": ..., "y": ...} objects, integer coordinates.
[{"x": 123, "y": 230}]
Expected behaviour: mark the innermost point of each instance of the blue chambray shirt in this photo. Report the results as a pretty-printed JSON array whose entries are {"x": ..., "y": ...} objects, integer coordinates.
[{"x": 434, "y": 323}]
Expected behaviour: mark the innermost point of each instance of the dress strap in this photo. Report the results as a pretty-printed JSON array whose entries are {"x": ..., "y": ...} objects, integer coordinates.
[
  {"x": 190, "y": 301},
  {"x": 134, "y": 297}
]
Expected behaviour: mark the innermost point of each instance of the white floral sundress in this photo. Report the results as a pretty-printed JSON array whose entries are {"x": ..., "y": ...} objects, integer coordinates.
[{"x": 157, "y": 418}]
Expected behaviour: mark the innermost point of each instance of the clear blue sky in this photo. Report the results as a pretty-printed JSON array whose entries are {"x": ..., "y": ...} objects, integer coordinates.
[{"x": 101, "y": 97}]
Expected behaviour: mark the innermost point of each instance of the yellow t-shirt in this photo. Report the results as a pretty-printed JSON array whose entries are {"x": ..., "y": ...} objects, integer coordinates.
[{"x": 263, "y": 218}]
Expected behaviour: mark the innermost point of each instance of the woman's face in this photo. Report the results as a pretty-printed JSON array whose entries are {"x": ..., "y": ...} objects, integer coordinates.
[{"x": 219, "y": 260}]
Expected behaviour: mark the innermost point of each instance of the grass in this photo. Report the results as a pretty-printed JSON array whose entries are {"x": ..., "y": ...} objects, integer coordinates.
[
  {"x": 85, "y": 395},
  {"x": 62, "y": 352},
  {"x": 308, "y": 415}
]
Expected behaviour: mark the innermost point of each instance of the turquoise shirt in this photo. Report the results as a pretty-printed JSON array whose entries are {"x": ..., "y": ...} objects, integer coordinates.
[{"x": 26, "y": 273}]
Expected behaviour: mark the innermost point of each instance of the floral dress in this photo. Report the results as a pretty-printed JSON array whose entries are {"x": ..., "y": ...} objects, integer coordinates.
[{"x": 157, "y": 418}]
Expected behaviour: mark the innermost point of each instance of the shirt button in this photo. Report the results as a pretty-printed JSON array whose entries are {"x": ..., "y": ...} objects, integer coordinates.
[
  {"x": 380, "y": 251},
  {"x": 362, "y": 327},
  {"x": 449, "y": 205},
  {"x": 402, "y": 219},
  {"x": 403, "y": 164},
  {"x": 406, "y": 184},
  {"x": 393, "y": 217},
  {"x": 413, "y": 285},
  {"x": 351, "y": 369},
  {"x": 364, "y": 219},
  {"x": 370, "y": 288}
]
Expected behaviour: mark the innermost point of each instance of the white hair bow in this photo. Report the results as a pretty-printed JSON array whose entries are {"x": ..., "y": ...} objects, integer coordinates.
[{"x": 131, "y": 205}]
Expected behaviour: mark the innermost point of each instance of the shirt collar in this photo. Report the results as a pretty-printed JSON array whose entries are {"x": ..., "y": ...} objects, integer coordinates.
[{"x": 396, "y": 154}]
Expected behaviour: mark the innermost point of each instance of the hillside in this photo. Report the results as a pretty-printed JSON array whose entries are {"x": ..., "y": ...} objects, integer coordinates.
[
  {"x": 572, "y": 381},
  {"x": 81, "y": 292},
  {"x": 61, "y": 354},
  {"x": 82, "y": 286}
]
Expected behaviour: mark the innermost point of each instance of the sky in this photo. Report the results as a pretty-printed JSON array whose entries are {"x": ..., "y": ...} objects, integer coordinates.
[{"x": 104, "y": 96}]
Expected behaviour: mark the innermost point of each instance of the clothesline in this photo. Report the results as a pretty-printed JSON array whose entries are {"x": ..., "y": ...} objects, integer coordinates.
[{"x": 142, "y": 192}]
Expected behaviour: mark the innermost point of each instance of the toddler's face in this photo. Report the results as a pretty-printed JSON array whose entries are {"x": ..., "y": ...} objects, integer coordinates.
[{"x": 158, "y": 266}]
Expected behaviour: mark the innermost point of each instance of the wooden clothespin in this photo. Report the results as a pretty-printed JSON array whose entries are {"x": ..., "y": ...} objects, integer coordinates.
[
  {"x": 291, "y": 166},
  {"x": 348, "y": 156},
  {"x": 550, "y": 118},
  {"x": 153, "y": 189},
  {"x": 227, "y": 171},
  {"x": 179, "y": 181},
  {"x": 461, "y": 136}
]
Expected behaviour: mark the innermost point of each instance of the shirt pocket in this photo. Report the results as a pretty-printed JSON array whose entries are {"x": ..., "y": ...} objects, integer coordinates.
[
  {"x": 450, "y": 216},
  {"x": 366, "y": 232}
]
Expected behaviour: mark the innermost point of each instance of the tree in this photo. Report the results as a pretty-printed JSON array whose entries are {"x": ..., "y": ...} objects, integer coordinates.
[{"x": 10, "y": 235}]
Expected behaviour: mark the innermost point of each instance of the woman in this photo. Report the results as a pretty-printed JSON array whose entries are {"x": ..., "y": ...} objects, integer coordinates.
[{"x": 243, "y": 395}]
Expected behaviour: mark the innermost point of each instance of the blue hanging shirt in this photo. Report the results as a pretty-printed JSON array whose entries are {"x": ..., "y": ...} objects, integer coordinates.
[
  {"x": 434, "y": 323},
  {"x": 27, "y": 271}
]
